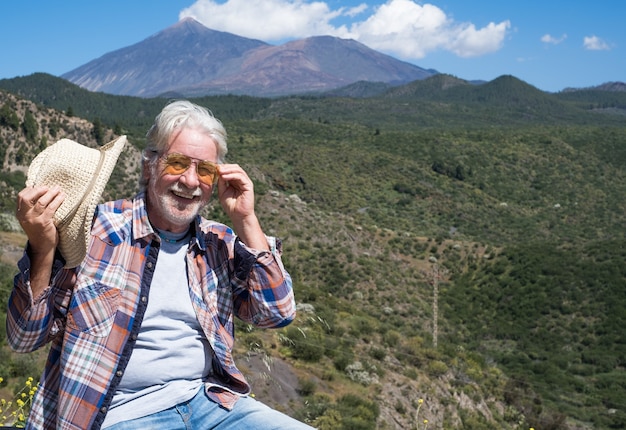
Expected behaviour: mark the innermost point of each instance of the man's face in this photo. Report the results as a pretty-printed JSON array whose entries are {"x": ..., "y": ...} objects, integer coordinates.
[{"x": 175, "y": 199}]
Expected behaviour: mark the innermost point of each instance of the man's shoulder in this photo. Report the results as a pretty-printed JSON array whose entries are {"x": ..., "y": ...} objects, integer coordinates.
[{"x": 116, "y": 206}]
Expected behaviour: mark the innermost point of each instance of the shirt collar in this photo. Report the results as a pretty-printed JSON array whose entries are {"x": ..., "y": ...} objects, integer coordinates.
[{"x": 143, "y": 229}]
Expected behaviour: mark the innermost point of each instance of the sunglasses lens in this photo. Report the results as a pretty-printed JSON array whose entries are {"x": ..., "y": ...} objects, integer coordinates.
[
  {"x": 177, "y": 164},
  {"x": 207, "y": 172}
]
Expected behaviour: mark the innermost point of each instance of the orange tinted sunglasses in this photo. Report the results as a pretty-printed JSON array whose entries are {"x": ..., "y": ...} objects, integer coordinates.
[{"x": 177, "y": 164}]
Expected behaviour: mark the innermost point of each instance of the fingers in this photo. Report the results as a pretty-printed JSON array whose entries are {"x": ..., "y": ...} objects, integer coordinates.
[
  {"x": 35, "y": 212},
  {"x": 235, "y": 191},
  {"x": 233, "y": 178},
  {"x": 51, "y": 201},
  {"x": 230, "y": 169},
  {"x": 38, "y": 203},
  {"x": 234, "y": 175}
]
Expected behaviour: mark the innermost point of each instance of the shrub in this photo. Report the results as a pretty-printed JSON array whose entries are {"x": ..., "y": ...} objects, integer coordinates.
[
  {"x": 437, "y": 368},
  {"x": 306, "y": 387},
  {"x": 304, "y": 345}
]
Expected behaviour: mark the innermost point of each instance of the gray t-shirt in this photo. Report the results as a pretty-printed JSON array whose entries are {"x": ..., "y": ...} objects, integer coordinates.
[{"x": 172, "y": 355}]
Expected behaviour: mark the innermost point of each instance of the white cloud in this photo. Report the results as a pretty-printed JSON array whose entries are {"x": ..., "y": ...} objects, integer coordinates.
[
  {"x": 404, "y": 28},
  {"x": 268, "y": 20},
  {"x": 470, "y": 42},
  {"x": 357, "y": 10},
  {"x": 547, "y": 38},
  {"x": 594, "y": 43},
  {"x": 398, "y": 27}
]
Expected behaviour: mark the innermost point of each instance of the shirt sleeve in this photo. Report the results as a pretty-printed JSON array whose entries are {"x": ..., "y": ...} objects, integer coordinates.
[
  {"x": 263, "y": 288},
  {"x": 34, "y": 321}
]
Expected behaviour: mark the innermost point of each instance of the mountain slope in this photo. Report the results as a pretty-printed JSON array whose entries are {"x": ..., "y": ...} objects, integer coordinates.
[
  {"x": 310, "y": 65},
  {"x": 434, "y": 88},
  {"x": 191, "y": 60},
  {"x": 519, "y": 225}
]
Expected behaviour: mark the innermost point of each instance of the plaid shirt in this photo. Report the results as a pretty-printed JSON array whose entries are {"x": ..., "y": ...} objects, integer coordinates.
[{"x": 92, "y": 314}]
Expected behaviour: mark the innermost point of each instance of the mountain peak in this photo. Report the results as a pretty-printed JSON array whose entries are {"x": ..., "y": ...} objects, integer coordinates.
[{"x": 188, "y": 23}]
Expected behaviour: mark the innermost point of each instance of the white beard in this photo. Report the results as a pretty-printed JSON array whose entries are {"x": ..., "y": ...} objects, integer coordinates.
[{"x": 171, "y": 209}]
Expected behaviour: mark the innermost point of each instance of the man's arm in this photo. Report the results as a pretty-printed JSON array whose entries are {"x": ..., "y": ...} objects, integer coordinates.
[{"x": 31, "y": 321}]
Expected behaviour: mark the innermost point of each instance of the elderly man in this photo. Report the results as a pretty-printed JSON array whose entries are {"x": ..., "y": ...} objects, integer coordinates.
[{"x": 141, "y": 323}]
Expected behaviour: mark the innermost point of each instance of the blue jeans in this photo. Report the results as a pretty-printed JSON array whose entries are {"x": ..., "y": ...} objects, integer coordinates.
[{"x": 201, "y": 413}]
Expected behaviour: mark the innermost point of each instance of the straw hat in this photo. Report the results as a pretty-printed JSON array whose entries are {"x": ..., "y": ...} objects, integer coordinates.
[{"x": 82, "y": 173}]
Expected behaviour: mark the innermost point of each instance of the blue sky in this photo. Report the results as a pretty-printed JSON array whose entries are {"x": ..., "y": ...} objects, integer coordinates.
[{"x": 551, "y": 44}]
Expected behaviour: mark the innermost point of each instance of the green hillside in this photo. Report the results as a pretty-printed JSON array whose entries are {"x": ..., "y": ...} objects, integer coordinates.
[{"x": 495, "y": 211}]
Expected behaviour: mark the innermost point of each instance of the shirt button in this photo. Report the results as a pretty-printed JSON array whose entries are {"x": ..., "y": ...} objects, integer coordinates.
[
  {"x": 149, "y": 264},
  {"x": 103, "y": 410},
  {"x": 133, "y": 336},
  {"x": 144, "y": 299},
  {"x": 119, "y": 373}
]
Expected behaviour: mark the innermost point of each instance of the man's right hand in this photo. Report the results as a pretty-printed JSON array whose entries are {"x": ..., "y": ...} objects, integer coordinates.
[{"x": 35, "y": 212}]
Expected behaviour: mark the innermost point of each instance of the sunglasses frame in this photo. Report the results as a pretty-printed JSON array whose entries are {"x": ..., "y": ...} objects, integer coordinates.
[{"x": 185, "y": 161}]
